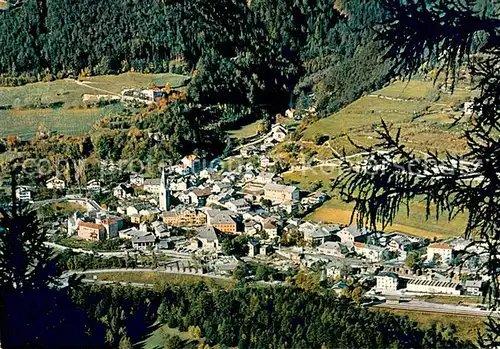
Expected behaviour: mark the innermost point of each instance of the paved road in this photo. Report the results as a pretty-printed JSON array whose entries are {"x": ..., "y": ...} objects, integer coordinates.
[{"x": 426, "y": 307}]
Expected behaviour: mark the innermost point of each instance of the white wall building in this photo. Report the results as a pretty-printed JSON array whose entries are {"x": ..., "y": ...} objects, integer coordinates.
[
  {"x": 440, "y": 252},
  {"x": 433, "y": 287}
]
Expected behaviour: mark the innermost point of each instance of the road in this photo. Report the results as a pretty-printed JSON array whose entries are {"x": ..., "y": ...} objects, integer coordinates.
[
  {"x": 102, "y": 271},
  {"x": 427, "y": 307},
  {"x": 91, "y": 204}
]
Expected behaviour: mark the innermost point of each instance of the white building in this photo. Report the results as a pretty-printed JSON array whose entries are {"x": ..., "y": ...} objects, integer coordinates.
[
  {"x": 239, "y": 205},
  {"x": 352, "y": 234},
  {"x": 433, "y": 287},
  {"x": 281, "y": 193},
  {"x": 439, "y": 252},
  {"x": 331, "y": 248},
  {"x": 371, "y": 253},
  {"x": 387, "y": 281},
  {"x": 23, "y": 193},
  {"x": 152, "y": 185},
  {"x": 55, "y": 183},
  {"x": 136, "y": 179}
]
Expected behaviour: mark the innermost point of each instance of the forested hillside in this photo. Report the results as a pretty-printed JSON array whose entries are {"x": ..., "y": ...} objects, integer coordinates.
[
  {"x": 262, "y": 54},
  {"x": 246, "y": 317}
]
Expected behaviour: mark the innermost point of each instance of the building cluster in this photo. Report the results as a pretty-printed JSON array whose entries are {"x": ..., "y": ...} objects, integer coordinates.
[{"x": 192, "y": 208}]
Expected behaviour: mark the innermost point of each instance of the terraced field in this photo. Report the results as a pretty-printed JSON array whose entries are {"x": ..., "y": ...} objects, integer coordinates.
[
  {"x": 58, "y": 105},
  {"x": 424, "y": 113}
]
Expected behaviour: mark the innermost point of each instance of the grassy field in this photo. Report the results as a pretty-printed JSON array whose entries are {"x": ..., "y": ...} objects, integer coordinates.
[
  {"x": 467, "y": 327},
  {"x": 245, "y": 131},
  {"x": 58, "y": 104},
  {"x": 336, "y": 211},
  {"x": 158, "y": 337},
  {"x": 450, "y": 299},
  {"x": 422, "y": 111},
  {"x": 116, "y": 83},
  {"x": 155, "y": 277},
  {"x": 72, "y": 122}
]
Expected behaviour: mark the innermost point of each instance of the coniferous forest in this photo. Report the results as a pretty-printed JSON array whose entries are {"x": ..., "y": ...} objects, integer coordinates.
[{"x": 265, "y": 53}]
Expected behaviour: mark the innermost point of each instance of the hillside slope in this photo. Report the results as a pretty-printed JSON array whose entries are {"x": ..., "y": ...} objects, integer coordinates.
[{"x": 424, "y": 112}]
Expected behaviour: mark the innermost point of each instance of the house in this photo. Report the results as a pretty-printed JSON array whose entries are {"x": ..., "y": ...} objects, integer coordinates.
[
  {"x": 179, "y": 184},
  {"x": 152, "y": 185},
  {"x": 468, "y": 108},
  {"x": 290, "y": 207},
  {"x": 207, "y": 239},
  {"x": 278, "y": 132},
  {"x": 271, "y": 227},
  {"x": 265, "y": 178},
  {"x": 160, "y": 229},
  {"x": 112, "y": 226},
  {"x": 440, "y": 253},
  {"x": 206, "y": 173},
  {"x": 265, "y": 162},
  {"x": 152, "y": 94},
  {"x": 239, "y": 205},
  {"x": 400, "y": 244},
  {"x": 249, "y": 175},
  {"x": 315, "y": 236},
  {"x": 136, "y": 208},
  {"x": 91, "y": 231},
  {"x": 372, "y": 253},
  {"x": 387, "y": 281},
  {"x": 266, "y": 250},
  {"x": 474, "y": 287},
  {"x": 253, "y": 248},
  {"x": 184, "y": 218},
  {"x": 136, "y": 179},
  {"x": 433, "y": 287},
  {"x": 143, "y": 242},
  {"x": 55, "y": 183},
  {"x": 225, "y": 222},
  {"x": 290, "y": 113},
  {"x": 23, "y": 193},
  {"x": 281, "y": 193},
  {"x": 121, "y": 191},
  {"x": 251, "y": 227},
  {"x": 131, "y": 233},
  {"x": 191, "y": 162},
  {"x": 330, "y": 248},
  {"x": 93, "y": 186},
  {"x": 352, "y": 234},
  {"x": 198, "y": 197},
  {"x": 220, "y": 186}
]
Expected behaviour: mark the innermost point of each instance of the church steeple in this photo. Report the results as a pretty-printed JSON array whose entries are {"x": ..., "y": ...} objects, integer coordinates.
[{"x": 164, "y": 194}]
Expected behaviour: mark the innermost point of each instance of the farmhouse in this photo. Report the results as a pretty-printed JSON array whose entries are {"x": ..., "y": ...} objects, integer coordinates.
[{"x": 55, "y": 183}]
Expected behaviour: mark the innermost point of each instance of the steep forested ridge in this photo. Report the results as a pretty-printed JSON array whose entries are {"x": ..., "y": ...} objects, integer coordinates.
[{"x": 239, "y": 54}]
